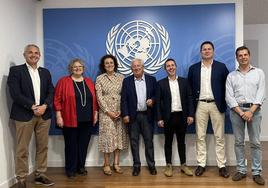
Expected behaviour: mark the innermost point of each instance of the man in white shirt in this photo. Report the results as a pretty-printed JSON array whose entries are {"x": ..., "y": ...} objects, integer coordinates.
[
  {"x": 245, "y": 93},
  {"x": 31, "y": 89},
  {"x": 175, "y": 110},
  {"x": 207, "y": 79}
]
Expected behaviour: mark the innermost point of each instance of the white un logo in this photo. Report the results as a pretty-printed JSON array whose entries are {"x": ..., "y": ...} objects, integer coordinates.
[{"x": 138, "y": 39}]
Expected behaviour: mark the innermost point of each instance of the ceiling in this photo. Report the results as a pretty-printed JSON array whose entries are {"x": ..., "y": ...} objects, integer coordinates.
[{"x": 255, "y": 12}]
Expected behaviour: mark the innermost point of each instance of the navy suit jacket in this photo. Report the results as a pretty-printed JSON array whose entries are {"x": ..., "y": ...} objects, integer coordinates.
[
  {"x": 163, "y": 99},
  {"x": 129, "y": 97},
  {"x": 22, "y": 93},
  {"x": 219, "y": 74}
]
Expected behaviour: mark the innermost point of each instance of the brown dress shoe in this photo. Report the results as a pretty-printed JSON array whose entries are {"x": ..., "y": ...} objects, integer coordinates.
[
  {"x": 238, "y": 176},
  {"x": 258, "y": 179},
  {"x": 21, "y": 184}
]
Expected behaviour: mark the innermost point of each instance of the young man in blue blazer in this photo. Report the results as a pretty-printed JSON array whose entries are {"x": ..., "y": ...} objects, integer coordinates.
[{"x": 207, "y": 79}]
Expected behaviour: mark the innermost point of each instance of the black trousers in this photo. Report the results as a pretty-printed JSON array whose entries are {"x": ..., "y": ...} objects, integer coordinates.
[
  {"x": 141, "y": 126},
  {"x": 76, "y": 144},
  {"x": 176, "y": 125}
]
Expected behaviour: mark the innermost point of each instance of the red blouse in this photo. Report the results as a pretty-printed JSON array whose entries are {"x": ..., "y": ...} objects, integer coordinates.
[{"x": 64, "y": 100}]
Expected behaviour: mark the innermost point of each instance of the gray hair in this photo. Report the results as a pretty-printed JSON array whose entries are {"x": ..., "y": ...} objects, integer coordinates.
[{"x": 29, "y": 46}]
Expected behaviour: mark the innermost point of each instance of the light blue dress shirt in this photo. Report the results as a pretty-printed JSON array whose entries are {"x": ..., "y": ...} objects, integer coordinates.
[
  {"x": 245, "y": 88},
  {"x": 140, "y": 86}
]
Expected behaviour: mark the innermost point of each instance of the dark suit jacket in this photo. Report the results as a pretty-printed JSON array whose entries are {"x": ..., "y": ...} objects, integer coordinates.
[
  {"x": 22, "y": 93},
  {"x": 219, "y": 74},
  {"x": 129, "y": 96},
  {"x": 163, "y": 99}
]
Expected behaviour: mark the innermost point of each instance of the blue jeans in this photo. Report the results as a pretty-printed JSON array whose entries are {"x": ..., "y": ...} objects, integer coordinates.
[{"x": 254, "y": 130}]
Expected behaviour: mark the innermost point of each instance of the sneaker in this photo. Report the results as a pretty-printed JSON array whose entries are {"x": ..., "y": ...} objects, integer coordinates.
[
  {"x": 238, "y": 176},
  {"x": 258, "y": 179},
  {"x": 168, "y": 170},
  {"x": 186, "y": 170},
  {"x": 43, "y": 180},
  {"x": 224, "y": 172}
]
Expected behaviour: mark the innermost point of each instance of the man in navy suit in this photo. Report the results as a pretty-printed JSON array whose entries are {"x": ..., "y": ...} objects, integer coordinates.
[
  {"x": 137, "y": 100},
  {"x": 175, "y": 110},
  {"x": 207, "y": 79},
  {"x": 31, "y": 89}
]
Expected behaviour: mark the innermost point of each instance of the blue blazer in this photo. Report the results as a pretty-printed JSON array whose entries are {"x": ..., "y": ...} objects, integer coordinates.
[
  {"x": 129, "y": 97},
  {"x": 22, "y": 93},
  {"x": 163, "y": 99},
  {"x": 219, "y": 74}
]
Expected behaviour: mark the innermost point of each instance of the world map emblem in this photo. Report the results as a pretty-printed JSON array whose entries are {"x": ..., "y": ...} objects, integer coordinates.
[{"x": 139, "y": 39}]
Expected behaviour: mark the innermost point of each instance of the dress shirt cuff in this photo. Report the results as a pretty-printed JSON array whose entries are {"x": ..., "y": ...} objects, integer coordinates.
[
  {"x": 232, "y": 105},
  {"x": 257, "y": 102}
]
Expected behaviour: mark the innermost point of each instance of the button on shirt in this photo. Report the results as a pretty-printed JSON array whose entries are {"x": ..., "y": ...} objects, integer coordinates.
[
  {"x": 245, "y": 87},
  {"x": 140, "y": 86},
  {"x": 36, "y": 83},
  {"x": 205, "y": 86},
  {"x": 175, "y": 95}
]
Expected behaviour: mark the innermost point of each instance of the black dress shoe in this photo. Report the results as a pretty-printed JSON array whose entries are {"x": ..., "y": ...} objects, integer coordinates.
[
  {"x": 70, "y": 175},
  {"x": 224, "y": 172},
  {"x": 200, "y": 170},
  {"x": 82, "y": 171},
  {"x": 152, "y": 170},
  {"x": 136, "y": 171}
]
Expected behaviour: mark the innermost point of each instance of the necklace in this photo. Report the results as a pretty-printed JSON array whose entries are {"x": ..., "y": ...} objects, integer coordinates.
[{"x": 83, "y": 102}]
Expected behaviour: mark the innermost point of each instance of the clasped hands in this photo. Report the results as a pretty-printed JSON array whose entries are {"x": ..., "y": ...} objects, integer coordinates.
[
  {"x": 247, "y": 115},
  {"x": 114, "y": 115},
  {"x": 39, "y": 110}
]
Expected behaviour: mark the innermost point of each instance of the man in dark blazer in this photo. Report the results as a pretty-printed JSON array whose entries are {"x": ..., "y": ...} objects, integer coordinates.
[
  {"x": 207, "y": 79},
  {"x": 175, "y": 111},
  {"x": 137, "y": 100},
  {"x": 31, "y": 89}
]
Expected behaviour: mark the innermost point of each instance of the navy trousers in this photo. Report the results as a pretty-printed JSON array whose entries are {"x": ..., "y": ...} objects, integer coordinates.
[{"x": 76, "y": 144}]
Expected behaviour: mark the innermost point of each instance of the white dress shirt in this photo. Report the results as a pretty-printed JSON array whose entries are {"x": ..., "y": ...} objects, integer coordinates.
[
  {"x": 205, "y": 85},
  {"x": 36, "y": 83},
  {"x": 175, "y": 95}
]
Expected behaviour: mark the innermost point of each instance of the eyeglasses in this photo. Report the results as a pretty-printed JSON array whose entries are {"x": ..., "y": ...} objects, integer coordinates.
[{"x": 76, "y": 67}]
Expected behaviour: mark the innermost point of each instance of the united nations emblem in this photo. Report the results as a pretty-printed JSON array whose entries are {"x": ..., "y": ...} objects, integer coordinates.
[{"x": 138, "y": 39}]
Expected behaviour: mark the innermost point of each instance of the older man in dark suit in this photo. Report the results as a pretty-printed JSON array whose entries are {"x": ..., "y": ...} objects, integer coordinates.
[
  {"x": 207, "y": 79},
  {"x": 137, "y": 100},
  {"x": 32, "y": 92},
  {"x": 174, "y": 111}
]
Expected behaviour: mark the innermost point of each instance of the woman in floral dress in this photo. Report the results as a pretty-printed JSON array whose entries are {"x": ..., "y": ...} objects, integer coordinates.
[{"x": 112, "y": 133}]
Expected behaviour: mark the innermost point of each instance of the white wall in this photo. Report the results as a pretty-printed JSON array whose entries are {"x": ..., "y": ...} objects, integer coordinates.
[
  {"x": 18, "y": 27},
  {"x": 259, "y": 33}
]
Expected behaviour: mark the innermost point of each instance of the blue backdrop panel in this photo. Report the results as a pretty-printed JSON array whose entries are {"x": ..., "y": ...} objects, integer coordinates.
[{"x": 153, "y": 33}]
